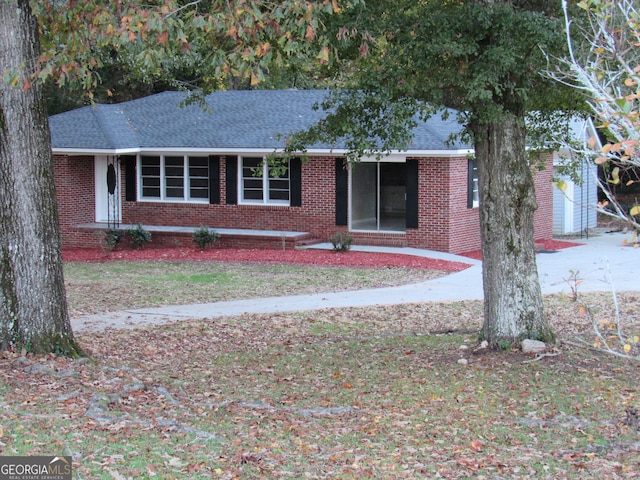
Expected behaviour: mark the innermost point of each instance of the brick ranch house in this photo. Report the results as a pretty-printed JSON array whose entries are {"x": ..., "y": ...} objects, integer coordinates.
[{"x": 174, "y": 168}]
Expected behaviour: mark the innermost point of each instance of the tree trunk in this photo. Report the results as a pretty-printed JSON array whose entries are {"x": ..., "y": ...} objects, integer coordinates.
[
  {"x": 513, "y": 307},
  {"x": 33, "y": 306}
]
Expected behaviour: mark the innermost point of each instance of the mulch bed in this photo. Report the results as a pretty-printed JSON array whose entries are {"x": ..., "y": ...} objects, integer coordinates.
[
  {"x": 309, "y": 257},
  {"x": 541, "y": 245}
]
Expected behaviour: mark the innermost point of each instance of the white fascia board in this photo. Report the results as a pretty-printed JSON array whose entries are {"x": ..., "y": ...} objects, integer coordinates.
[
  {"x": 94, "y": 151},
  {"x": 310, "y": 152},
  {"x": 395, "y": 155},
  {"x": 208, "y": 151},
  {"x": 398, "y": 155}
]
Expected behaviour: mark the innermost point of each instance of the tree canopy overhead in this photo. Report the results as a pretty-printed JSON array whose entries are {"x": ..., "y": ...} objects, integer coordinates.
[
  {"x": 482, "y": 58},
  {"x": 200, "y": 45}
]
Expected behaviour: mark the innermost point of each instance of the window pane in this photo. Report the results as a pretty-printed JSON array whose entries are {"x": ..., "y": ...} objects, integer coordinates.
[
  {"x": 279, "y": 183},
  {"x": 198, "y": 178},
  {"x": 175, "y": 182},
  {"x": 199, "y": 182},
  {"x": 198, "y": 171},
  {"x": 252, "y": 178},
  {"x": 151, "y": 170},
  {"x": 151, "y": 182},
  {"x": 201, "y": 162},
  {"x": 150, "y": 192},
  {"x": 150, "y": 176},
  {"x": 364, "y": 199},
  {"x": 150, "y": 160},
  {"x": 279, "y": 189},
  {"x": 252, "y": 162},
  {"x": 174, "y": 177},
  {"x": 253, "y": 184},
  {"x": 279, "y": 195},
  {"x": 253, "y": 194},
  {"x": 198, "y": 194},
  {"x": 474, "y": 191},
  {"x": 173, "y": 192},
  {"x": 174, "y": 172},
  {"x": 174, "y": 161}
]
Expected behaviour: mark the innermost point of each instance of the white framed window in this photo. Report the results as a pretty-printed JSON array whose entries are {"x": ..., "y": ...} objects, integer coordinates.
[
  {"x": 174, "y": 178},
  {"x": 263, "y": 184},
  {"x": 473, "y": 191}
]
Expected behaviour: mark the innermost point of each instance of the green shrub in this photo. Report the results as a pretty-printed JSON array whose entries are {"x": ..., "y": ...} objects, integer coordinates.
[
  {"x": 341, "y": 242},
  {"x": 113, "y": 237},
  {"x": 205, "y": 237},
  {"x": 139, "y": 236}
]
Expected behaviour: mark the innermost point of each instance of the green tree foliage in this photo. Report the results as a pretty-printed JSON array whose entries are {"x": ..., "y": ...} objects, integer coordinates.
[
  {"x": 481, "y": 58},
  {"x": 115, "y": 50}
]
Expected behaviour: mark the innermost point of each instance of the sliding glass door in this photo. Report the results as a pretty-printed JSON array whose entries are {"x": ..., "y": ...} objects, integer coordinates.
[{"x": 378, "y": 196}]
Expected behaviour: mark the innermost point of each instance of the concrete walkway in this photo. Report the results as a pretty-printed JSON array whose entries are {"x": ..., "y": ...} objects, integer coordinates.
[{"x": 601, "y": 263}]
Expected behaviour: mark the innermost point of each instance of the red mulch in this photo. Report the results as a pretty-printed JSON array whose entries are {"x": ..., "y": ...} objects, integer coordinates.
[
  {"x": 547, "y": 245},
  {"x": 309, "y": 257}
]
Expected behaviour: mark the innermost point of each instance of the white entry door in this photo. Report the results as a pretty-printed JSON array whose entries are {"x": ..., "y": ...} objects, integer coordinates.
[{"x": 107, "y": 203}]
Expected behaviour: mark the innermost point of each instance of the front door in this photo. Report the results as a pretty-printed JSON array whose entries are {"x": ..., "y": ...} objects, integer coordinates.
[
  {"x": 378, "y": 196},
  {"x": 107, "y": 188}
]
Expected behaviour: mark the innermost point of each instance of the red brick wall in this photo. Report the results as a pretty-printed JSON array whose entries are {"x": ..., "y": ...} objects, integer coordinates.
[
  {"x": 543, "y": 218},
  {"x": 74, "y": 180},
  {"x": 445, "y": 224},
  {"x": 316, "y": 215}
]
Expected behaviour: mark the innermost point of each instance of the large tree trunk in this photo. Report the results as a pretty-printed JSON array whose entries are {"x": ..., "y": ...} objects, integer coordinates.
[
  {"x": 513, "y": 307},
  {"x": 33, "y": 306}
]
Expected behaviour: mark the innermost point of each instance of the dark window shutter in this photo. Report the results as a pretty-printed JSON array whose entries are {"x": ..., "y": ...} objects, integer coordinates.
[
  {"x": 295, "y": 179},
  {"x": 232, "y": 180},
  {"x": 412, "y": 194},
  {"x": 342, "y": 199},
  {"x": 214, "y": 179},
  {"x": 130, "y": 177}
]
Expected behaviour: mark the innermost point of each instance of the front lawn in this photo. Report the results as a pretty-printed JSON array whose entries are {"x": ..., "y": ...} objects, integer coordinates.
[{"x": 389, "y": 392}]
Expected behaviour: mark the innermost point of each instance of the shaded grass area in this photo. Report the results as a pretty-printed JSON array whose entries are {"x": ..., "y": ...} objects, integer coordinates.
[
  {"x": 350, "y": 393},
  {"x": 113, "y": 286}
]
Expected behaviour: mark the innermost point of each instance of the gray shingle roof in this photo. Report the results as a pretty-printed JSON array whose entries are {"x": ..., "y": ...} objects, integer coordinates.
[{"x": 251, "y": 119}]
